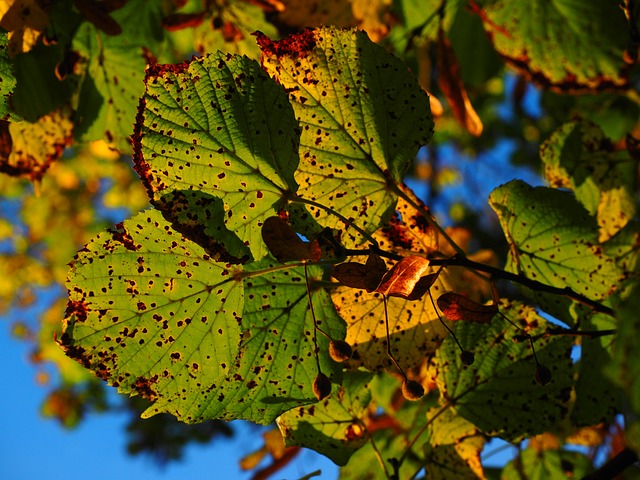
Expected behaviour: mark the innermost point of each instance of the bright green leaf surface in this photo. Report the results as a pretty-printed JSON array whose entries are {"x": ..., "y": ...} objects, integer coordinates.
[
  {"x": 578, "y": 156},
  {"x": 334, "y": 426},
  {"x": 553, "y": 239},
  {"x": 363, "y": 118},
  {"x": 219, "y": 125},
  {"x": 546, "y": 464},
  {"x": 498, "y": 393},
  {"x": 7, "y": 78},
  {"x": 562, "y": 43},
  {"x": 152, "y": 314},
  {"x": 276, "y": 366}
]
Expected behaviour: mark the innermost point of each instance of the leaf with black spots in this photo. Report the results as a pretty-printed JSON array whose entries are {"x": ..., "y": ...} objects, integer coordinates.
[
  {"x": 363, "y": 118},
  {"x": 219, "y": 125}
]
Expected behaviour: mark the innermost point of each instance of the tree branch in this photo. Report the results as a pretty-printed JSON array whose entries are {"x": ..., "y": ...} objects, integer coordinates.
[
  {"x": 614, "y": 466},
  {"x": 463, "y": 261}
]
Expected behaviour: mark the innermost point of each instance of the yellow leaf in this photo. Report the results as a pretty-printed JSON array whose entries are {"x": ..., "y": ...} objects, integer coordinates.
[{"x": 371, "y": 16}]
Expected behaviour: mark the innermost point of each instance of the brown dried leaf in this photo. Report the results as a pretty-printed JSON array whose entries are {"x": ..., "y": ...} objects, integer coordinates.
[
  {"x": 450, "y": 83},
  {"x": 357, "y": 275},
  {"x": 25, "y": 21},
  {"x": 458, "y": 307},
  {"x": 283, "y": 242},
  {"x": 404, "y": 277}
]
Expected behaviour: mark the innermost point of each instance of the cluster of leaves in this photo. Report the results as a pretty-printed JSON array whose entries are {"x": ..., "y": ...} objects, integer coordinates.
[{"x": 243, "y": 293}]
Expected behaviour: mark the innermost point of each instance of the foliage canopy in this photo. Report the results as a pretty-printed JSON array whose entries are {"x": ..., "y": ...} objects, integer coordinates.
[{"x": 284, "y": 271}]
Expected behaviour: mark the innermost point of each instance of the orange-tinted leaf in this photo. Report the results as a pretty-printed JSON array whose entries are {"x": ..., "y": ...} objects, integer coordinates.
[
  {"x": 422, "y": 286},
  {"x": 404, "y": 277},
  {"x": 451, "y": 85},
  {"x": 357, "y": 275},
  {"x": 283, "y": 242},
  {"x": 458, "y": 307},
  {"x": 269, "y": 5}
]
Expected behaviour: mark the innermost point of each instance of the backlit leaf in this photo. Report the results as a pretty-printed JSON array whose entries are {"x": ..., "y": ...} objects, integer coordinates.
[
  {"x": 33, "y": 147},
  {"x": 8, "y": 83},
  {"x": 458, "y": 307},
  {"x": 402, "y": 279},
  {"x": 357, "y": 275},
  {"x": 363, "y": 118},
  {"x": 453, "y": 451},
  {"x": 553, "y": 239},
  {"x": 283, "y": 242},
  {"x": 545, "y": 464},
  {"x": 578, "y": 156},
  {"x": 335, "y": 426},
  {"x": 498, "y": 393},
  {"x": 221, "y": 126},
  {"x": 151, "y": 314},
  {"x": 547, "y": 40}
]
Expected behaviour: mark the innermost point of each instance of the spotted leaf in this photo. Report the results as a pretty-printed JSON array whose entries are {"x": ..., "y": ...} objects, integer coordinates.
[
  {"x": 219, "y": 125},
  {"x": 553, "y": 239},
  {"x": 498, "y": 392},
  {"x": 335, "y": 426},
  {"x": 363, "y": 117},
  {"x": 152, "y": 314}
]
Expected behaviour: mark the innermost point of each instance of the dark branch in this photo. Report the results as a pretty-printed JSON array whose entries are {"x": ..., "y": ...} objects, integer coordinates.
[
  {"x": 462, "y": 261},
  {"x": 614, "y": 466}
]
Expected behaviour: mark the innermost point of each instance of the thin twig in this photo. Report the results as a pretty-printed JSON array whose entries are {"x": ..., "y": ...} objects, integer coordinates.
[{"x": 463, "y": 261}]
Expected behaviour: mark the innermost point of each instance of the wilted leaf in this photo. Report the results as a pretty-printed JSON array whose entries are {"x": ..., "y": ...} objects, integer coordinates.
[
  {"x": 25, "y": 20},
  {"x": 403, "y": 278},
  {"x": 547, "y": 40},
  {"x": 219, "y": 125},
  {"x": 498, "y": 393},
  {"x": 553, "y": 239},
  {"x": 29, "y": 149},
  {"x": 357, "y": 275},
  {"x": 283, "y": 242},
  {"x": 450, "y": 82},
  {"x": 458, "y": 307},
  {"x": 363, "y": 118},
  {"x": 578, "y": 156},
  {"x": 335, "y": 426}
]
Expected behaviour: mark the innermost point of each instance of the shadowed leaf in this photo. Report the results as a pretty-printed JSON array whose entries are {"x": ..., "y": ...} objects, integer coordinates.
[
  {"x": 283, "y": 243},
  {"x": 357, "y": 275}
]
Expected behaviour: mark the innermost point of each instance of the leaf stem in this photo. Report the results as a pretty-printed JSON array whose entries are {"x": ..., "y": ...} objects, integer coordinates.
[
  {"x": 389, "y": 354},
  {"x": 463, "y": 261},
  {"x": 316, "y": 350}
]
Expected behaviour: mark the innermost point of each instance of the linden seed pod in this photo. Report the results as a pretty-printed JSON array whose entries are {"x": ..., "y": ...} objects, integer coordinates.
[
  {"x": 321, "y": 386},
  {"x": 542, "y": 375},
  {"x": 467, "y": 357},
  {"x": 339, "y": 350},
  {"x": 412, "y": 390}
]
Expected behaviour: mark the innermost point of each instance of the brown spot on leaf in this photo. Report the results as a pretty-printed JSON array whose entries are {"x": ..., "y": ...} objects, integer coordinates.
[{"x": 298, "y": 45}]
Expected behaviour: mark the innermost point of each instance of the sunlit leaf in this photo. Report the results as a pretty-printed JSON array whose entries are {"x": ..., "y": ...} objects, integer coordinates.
[
  {"x": 8, "y": 83},
  {"x": 335, "y": 426},
  {"x": 151, "y": 314},
  {"x": 363, "y": 118},
  {"x": 221, "y": 126},
  {"x": 498, "y": 393},
  {"x": 33, "y": 147},
  {"x": 547, "y": 40},
  {"x": 453, "y": 451},
  {"x": 553, "y": 239},
  {"x": 578, "y": 156},
  {"x": 404, "y": 277}
]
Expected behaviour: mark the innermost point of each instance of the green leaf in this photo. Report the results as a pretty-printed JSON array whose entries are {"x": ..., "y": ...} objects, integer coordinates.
[
  {"x": 276, "y": 366},
  {"x": 534, "y": 464},
  {"x": 219, "y": 125},
  {"x": 553, "y": 239},
  {"x": 334, "y": 426},
  {"x": 562, "y": 44},
  {"x": 151, "y": 314},
  {"x": 363, "y": 118},
  {"x": 578, "y": 156},
  {"x": 8, "y": 79},
  {"x": 453, "y": 450},
  {"x": 498, "y": 393}
]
